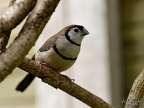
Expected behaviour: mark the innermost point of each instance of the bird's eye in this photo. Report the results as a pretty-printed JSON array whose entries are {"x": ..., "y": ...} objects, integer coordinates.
[{"x": 76, "y": 30}]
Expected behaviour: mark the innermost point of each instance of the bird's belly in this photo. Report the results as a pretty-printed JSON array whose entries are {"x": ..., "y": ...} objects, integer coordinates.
[{"x": 53, "y": 60}]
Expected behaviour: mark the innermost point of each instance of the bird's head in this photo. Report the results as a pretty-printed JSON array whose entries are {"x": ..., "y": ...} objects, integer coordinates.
[{"x": 76, "y": 33}]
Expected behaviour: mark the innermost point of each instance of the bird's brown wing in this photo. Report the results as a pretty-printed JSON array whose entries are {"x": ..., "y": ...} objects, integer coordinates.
[{"x": 49, "y": 43}]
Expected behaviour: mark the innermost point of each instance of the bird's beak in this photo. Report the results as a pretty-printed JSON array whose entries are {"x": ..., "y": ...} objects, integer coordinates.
[{"x": 85, "y": 32}]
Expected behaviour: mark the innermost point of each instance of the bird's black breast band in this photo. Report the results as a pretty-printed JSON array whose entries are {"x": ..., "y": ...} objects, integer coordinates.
[{"x": 66, "y": 58}]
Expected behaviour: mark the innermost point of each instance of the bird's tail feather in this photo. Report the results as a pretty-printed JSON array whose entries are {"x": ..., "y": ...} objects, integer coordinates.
[{"x": 25, "y": 82}]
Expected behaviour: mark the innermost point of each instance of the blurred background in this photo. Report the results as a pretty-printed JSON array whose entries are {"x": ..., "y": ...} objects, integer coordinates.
[{"x": 111, "y": 57}]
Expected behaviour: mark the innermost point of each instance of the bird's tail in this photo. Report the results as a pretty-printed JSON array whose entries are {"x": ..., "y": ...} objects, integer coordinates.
[{"x": 25, "y": 82}]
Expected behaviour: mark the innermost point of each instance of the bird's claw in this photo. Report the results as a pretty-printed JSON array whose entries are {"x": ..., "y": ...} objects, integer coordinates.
[{"x": 41, "y": 63}]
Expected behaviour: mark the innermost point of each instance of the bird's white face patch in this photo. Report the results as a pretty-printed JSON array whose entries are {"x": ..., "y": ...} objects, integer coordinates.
[{"x": 77, "y": 33}]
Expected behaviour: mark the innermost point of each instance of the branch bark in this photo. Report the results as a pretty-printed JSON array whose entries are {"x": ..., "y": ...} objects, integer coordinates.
[
  {"x": 65, "y": 84},
  {"x": 13, "y": 16},
  {"x": 34, "y": 25},
  {"x": 11, "y": 2},
  {"x": 136, "y": 92}
]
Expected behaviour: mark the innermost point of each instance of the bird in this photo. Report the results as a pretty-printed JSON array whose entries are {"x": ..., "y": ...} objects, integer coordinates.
[{"x": 59, "y": 52}]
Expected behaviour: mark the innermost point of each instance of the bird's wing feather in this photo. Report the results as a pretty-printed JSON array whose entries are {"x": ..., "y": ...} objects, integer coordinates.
[{"x": 49, "y": 43}]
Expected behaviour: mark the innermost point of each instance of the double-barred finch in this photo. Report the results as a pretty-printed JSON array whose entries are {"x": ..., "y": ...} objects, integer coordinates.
[{"x": 59, "y": 52}]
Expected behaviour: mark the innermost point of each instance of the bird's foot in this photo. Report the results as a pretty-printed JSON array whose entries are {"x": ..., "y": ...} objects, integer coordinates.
[{"x": 41, "y": 64}]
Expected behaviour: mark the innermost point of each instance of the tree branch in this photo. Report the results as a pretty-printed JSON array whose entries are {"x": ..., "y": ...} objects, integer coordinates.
[
  {"x": 27, "y": 37},
  {"x": 11, "y": 2},
  {"x": 4, "y": 37},
  {"x": 136, "y": 92},
  {"x": 13, "y": 16},
  {"x": 59, "y": 81}
]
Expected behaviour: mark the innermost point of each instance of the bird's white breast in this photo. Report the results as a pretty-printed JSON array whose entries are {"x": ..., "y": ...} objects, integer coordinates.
[{"x": 56, "y": 62}]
